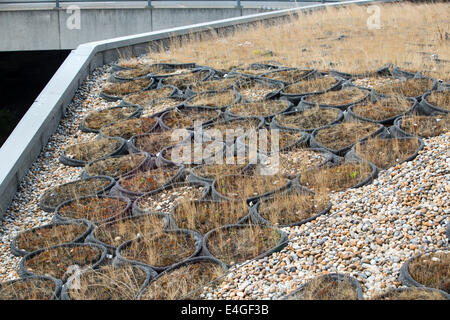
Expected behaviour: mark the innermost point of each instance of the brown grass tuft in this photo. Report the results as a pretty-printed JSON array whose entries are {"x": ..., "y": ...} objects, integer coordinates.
[
  {"x": 180, "y": 282},
  {"x": 110, "y": 283},
  {"x": 432, "y": 270},
  {"x": 161, "y": 249},
  {"x": 335, "y": 178},
  {"x": 426, "y": 126},
  {"x": 27, "y": 289},
  {"x": 385, "y": 153},
  {"x": 238, "y": 244}
]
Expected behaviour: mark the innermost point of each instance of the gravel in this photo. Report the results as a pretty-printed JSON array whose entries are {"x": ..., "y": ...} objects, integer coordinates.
[{"x": 291, "y": 163}]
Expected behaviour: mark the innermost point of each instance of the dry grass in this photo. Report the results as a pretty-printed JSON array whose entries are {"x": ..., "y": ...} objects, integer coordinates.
[
  {"x": 325, "y": 288},
  {"x": 385, "y": 153},
  {"x": 292, "y": 207},
  {"x": 95, "y": 209},
  {"x": 160, "y": 105},
  {"x": 181, "y": 81},
  {"x": 411, "y": 294},
  {"x": 406, "y": 31},
  {"x": 148, "y": 180},
  {"x": 161, "y": 249},
  {"x": 115, "y": 166},
  {"x": 288, "y": 75},
  {"x": 262, "y": 108},
  {"x": 97, "y": 119},
  {"x": 233, "y": 124},
  {"x": 73, "y": 190},
  {"x": 240, "y": 243},
  {"x": 405, "y": 88},
  {"x": 53, "y": 235},
  {"x": 129, "y": 62},
  {"x": 118, "y": 232},
  {"x": 155, "y": 69},
  {"x": 145, "y": 97},
  {"x": 439, "y": 99},
  {"x": 382, "y": 109},
  {"x": 155, "y": 142},
  {"x": 217, "y": 99},
  {"x": 308, "y": 119},
  {"x": 55, "y": 262},
  {"x": 254, "y": 91},
  {"x": 180, "y": 282},
  {"x": 124, "y": 88},
  {"x": 92, "y": 150},
  {"x": 335, "y": 178},
  {"x": 187, "y": 118},
  {"x": 110, "y": 283},
  {"x": 311, "y": 85},
  {"x": 27, "y": 289},
  {"x": 242, "y": 187},
  {"x": 138, "y": 71},
  {"x": 336, "y": 98},
  {"x": 213, "y": 85},
  {"x": 432, "y": 270},
  {"x": 426, "y": 126},
  {"x": 207, "y": 215},
  {"x": 127, "y": 128},
  {"x": 345, "y": 134}
]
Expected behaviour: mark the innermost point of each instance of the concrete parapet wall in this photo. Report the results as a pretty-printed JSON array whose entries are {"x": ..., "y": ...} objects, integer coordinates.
[{"x": 46, "y": 29}]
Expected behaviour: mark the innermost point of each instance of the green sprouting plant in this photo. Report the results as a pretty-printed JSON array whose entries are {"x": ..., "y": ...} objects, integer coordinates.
[
  {"x": 354, "y": 174},
  {"x": 223, "y": 187}
]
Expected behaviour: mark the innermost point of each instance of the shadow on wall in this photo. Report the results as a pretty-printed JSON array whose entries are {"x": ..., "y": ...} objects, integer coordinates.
[{"x": 23, "y": 76}]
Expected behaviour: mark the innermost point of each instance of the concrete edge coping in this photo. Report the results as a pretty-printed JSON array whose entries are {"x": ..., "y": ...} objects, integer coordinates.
[
  {"x": 143, "y": 5},
  {"x": 31, "y": 134},
  {"x": 251, "y": 4}
]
